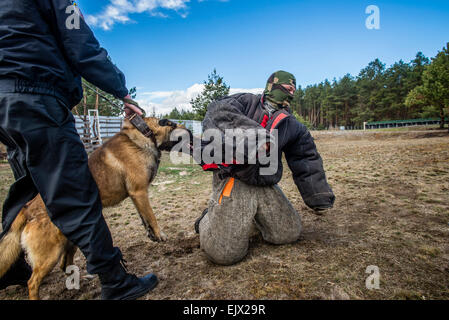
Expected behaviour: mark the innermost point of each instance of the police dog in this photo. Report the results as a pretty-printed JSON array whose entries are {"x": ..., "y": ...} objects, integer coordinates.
[{"x": 123, "y": 167}]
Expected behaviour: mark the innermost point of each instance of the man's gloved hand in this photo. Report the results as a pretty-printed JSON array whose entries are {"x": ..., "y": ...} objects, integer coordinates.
[{"x": 131, "y": 109}]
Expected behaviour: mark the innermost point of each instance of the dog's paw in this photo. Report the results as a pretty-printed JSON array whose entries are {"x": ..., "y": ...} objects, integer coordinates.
[
  {"x": 151, "y": 235},
  {"x": 163, "y": 237}
]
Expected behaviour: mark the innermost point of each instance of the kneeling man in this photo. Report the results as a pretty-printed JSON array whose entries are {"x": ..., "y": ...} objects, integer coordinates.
[{"x": 242, "y": 197}]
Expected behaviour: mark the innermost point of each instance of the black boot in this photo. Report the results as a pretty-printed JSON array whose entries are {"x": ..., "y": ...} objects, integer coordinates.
[
  {"x": 18, "y": 274},
  {"x": 197, "y": 222},
  {"x": 118, "y": 284}
]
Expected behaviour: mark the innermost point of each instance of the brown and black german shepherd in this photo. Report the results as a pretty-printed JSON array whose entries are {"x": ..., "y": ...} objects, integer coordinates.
[{"x": 123, "y": 167}]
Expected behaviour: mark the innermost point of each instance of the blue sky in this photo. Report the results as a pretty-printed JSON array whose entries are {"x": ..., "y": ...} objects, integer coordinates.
[{"x": 168, "y": 47}]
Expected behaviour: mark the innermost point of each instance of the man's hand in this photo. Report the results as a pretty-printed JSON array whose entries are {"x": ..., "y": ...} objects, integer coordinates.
[{"x": 131, "y": 109}]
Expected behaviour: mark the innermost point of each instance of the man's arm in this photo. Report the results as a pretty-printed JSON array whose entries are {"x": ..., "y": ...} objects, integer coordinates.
[
  {"x": 228, "y": 113},
  {"x": 82, "y": 50},
  {"x": 307, "y": 168}
]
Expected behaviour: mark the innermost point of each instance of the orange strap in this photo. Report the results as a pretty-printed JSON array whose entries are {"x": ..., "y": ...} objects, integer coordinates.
[{"x": 227, "y": 189}]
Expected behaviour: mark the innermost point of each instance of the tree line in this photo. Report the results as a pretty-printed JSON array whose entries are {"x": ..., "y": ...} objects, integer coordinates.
[{"x": 417, "y": 89}]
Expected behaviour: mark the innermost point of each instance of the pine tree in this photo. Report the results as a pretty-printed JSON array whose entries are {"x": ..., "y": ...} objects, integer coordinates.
[
  {"x": 434, "y": 91},
  {"x": 214, "y": 88}
]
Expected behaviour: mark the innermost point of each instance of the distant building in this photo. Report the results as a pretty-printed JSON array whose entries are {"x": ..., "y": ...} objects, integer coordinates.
[{"x": 402, "y": 123}]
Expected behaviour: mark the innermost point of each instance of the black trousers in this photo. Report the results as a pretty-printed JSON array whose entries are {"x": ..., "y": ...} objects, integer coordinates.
[{"x": 47, "y": 157}]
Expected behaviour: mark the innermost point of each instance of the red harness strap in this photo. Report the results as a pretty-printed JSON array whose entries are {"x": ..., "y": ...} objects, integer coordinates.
[
  {"x": 278, "y": 119},
  {"x": 265, "y": 121},
  {"x": 214, "y": 166},
  {"x": 211, "y": 166}
]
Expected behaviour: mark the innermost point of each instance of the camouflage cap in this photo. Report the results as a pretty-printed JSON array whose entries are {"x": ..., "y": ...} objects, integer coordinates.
[{"x": 275, "y": 92}]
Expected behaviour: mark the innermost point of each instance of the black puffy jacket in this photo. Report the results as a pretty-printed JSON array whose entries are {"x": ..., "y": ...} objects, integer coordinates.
[
  {"x": 245, "y": 111},
  {"x": 39, "y": 54}
]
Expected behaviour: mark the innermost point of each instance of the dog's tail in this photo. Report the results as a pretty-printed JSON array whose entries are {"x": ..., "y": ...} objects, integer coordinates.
[{"x": 10, "y": 247}]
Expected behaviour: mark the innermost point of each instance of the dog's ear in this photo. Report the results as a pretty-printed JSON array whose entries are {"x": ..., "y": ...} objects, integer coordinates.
[{"x": 167, "y": 123}]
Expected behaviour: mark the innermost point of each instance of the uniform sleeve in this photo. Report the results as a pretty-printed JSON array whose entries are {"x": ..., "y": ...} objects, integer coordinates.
[
  {"x": 82, "y": 50},
  {"x": 307, "y": 168}
]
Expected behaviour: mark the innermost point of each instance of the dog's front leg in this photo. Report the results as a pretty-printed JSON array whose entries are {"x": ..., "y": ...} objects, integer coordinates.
[{"x": 142, "y": 203}]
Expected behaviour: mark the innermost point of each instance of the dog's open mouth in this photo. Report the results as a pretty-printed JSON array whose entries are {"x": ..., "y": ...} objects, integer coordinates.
[{"x": 179, "y": 136}]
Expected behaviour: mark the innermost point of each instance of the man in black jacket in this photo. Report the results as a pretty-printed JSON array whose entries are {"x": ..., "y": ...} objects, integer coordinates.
[
  {"x": 242, "y": 196},
  {"x": 45, "y": 48}
]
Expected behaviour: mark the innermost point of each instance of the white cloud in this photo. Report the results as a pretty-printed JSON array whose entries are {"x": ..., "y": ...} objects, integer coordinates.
[
  {"x": 253, "y": 91},
  {"x": 119, "y": 11},
  {"x": 164, "y": 101}
]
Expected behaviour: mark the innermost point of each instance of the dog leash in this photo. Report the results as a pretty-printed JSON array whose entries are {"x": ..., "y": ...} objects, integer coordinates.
[{"x": 135, "y": 119}]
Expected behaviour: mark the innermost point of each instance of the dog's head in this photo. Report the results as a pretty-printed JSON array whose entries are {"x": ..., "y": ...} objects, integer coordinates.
[{"x": 167, "y": 133}]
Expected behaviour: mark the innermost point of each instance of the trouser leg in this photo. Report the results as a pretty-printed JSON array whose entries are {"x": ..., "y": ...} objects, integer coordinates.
[
  {"x": 23, "y": 189},
  {"x": 225, "y": 229},
  {"x": 276, "y": 218},
  {"x": 58, "y": 168}
]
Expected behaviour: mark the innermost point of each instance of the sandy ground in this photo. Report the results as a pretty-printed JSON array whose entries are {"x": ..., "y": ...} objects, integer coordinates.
[{"x": 392, "y": 211}]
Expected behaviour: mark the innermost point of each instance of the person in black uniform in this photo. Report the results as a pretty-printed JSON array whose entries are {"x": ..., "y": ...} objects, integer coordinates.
[{"x": 42, "y": 60}]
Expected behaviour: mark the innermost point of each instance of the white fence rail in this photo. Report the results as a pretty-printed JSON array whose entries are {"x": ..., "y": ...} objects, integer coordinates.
[{"x": 109, "y": 126}]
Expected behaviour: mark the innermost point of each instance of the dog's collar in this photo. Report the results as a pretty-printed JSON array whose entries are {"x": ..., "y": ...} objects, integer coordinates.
[{"x": 142, "y": 127}]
